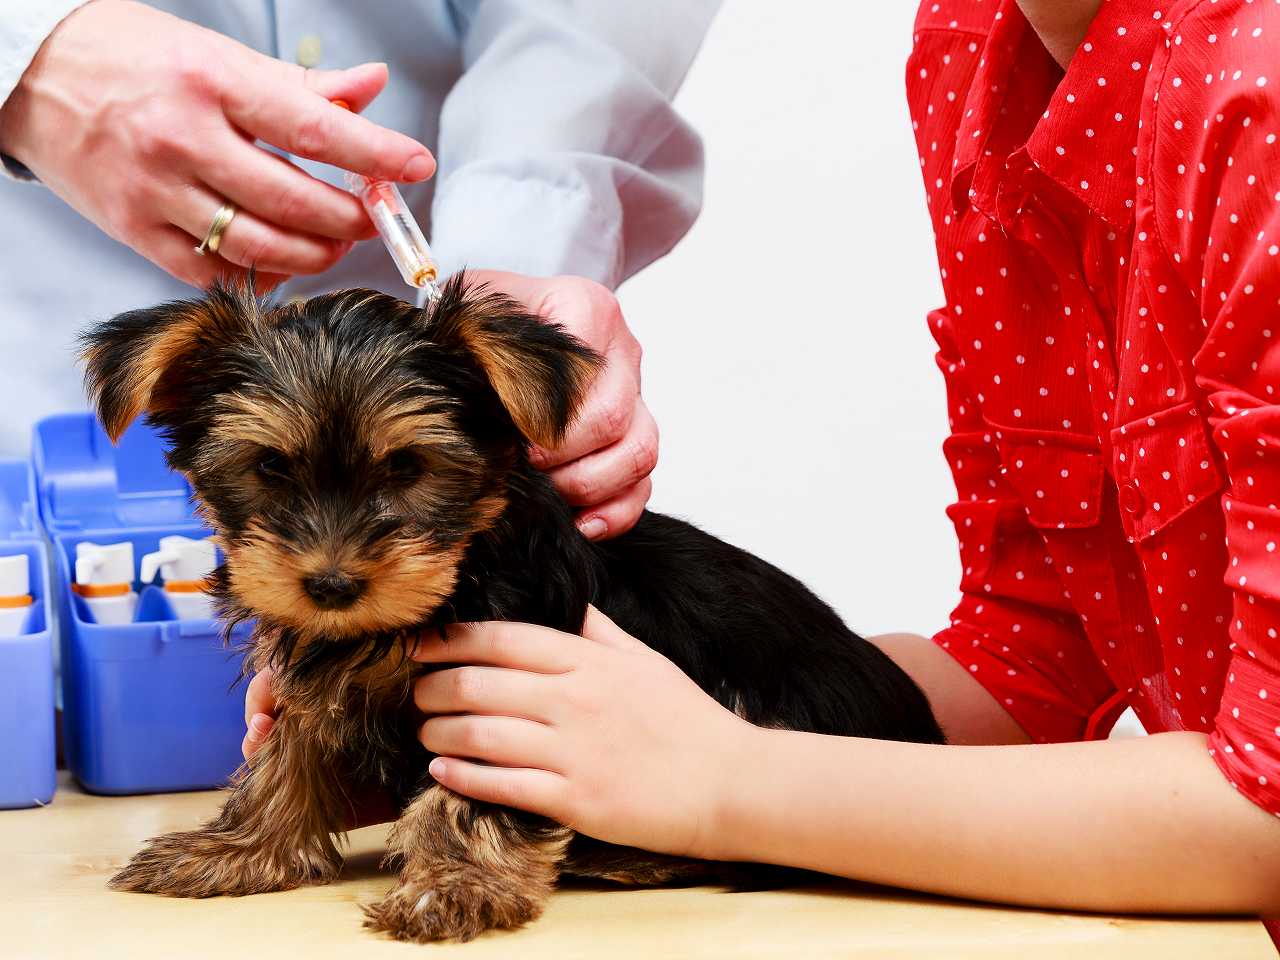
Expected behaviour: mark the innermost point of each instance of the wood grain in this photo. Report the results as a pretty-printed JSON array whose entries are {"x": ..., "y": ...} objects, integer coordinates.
[{"x": 54, "y": 903}]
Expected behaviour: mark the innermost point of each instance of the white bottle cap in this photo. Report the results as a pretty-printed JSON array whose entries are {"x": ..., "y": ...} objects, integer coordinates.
[
  {"x": 99, "y": 563},
  {"x": 180, "y": 558},
  {"x": 15, "y": 576}
]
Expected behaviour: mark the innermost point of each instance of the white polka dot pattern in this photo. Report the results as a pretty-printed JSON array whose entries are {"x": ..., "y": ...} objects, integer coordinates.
[{"x": 1109, "y": 242}]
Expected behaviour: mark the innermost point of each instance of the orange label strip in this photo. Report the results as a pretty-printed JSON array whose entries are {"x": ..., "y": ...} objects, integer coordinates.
[
  {"x": 184, "y": 586},
  {"x": 100, "y": 589}
]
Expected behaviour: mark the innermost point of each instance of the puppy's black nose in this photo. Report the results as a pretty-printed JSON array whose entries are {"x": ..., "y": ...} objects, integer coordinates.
[{"x": 333, "y": 590}]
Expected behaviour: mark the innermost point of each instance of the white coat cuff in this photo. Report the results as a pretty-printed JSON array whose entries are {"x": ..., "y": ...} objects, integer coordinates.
[{"x": 25, "y": 27}]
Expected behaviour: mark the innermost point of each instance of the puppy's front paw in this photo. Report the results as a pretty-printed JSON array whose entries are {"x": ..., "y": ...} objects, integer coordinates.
[
  {"x": 455, "y": 902},
  {"x": 202, "y": 863}
]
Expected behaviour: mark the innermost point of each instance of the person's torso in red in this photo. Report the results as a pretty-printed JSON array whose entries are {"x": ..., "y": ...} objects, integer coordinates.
[{"x": 1108, "y": 242}]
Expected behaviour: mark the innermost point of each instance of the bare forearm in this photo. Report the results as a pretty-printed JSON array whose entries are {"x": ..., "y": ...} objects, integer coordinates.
[
  {"x": 1145, "y": 825},
  {"x": 967, "y": 713}
]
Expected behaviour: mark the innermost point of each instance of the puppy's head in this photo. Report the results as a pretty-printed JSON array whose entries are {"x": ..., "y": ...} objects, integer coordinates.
[{"x": 345, "y": 449}]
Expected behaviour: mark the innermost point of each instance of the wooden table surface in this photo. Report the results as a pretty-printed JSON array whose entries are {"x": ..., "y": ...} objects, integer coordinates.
[{"x": 54, "y": 904}]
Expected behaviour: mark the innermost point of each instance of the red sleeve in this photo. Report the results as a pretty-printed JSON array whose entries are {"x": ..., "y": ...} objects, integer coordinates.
[
  {"x": 1215, "y": 173},
  {"x": 1013, "y": 629}
]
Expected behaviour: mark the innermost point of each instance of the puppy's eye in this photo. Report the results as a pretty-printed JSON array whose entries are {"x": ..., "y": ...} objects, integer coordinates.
[
  {"x": 404, "y": 467},
  {"x": 271, "y": 465}
]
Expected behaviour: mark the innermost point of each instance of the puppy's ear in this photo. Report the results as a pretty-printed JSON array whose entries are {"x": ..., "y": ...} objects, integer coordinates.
[
  {"x": 539, "y": 371},
  {"x": 140, "y": 361}
]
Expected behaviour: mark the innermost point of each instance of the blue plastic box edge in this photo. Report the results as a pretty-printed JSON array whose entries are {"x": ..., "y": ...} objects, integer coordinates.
[{"x": 150, "y": 706}]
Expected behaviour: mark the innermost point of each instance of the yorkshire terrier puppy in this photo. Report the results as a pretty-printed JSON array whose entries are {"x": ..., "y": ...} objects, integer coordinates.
[{"x": 363, "y": 464}]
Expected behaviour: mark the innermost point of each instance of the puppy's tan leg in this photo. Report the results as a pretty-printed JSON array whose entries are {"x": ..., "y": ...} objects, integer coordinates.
[
  {"x": 273, "y": 833},
  {"x": 466, "y": 867}
]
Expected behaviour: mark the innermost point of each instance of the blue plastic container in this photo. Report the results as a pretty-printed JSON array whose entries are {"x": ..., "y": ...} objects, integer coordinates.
[
  {"x": 27, "y": 745},
  {"x": 153, "y": 705}
]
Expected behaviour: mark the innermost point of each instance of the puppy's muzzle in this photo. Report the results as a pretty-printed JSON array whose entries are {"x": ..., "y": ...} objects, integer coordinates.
[{"x": 333, "y": 590}]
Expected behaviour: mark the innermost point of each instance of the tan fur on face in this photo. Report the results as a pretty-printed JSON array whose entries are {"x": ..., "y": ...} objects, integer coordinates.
[
  {"x": 398, "y": 425},
  {"x": 404, "y": 585},
  {"x": 273, "y": 423},
  {"x": 285, "y": 423},
  {"x": 466, "y": 868}
]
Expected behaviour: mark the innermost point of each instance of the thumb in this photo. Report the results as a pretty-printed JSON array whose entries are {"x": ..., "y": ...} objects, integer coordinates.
[
  {"x": 260, "y": 697},
  {"x": 358, "y": 86},
  {"x": 600, "y": 629}
]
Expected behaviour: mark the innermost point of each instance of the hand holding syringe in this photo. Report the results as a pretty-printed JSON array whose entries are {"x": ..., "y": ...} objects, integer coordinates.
[{"x": 397, "y": 227}]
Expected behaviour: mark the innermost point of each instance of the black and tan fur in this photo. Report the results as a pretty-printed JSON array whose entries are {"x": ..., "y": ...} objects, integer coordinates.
[{"x": 364, "y": 466}]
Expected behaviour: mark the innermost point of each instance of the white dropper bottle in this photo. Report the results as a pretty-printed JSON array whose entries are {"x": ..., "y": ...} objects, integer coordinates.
[
  {"x": 15, "y": 593},
  {"x": 184, "y": 563},
  {"x": 104, "y": 579}
]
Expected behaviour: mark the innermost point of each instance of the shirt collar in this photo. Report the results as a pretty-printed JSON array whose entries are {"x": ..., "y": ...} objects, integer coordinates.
[{"x": 1080, "y": 129}]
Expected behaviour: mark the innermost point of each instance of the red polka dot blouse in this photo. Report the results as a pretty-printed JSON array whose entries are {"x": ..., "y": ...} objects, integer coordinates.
[{"x": 1109, "y": 241}]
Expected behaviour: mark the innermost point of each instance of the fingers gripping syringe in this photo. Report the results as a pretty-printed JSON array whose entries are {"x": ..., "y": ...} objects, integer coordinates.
[{"x": 397, "y": 227}]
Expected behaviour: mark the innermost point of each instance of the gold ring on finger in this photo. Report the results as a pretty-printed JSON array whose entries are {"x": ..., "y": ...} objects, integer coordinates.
[{"x": 213, "y": 236}]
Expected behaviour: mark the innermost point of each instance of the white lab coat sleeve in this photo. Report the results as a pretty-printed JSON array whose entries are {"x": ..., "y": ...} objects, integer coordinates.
[
  {"x": 559, "y": 150},
  {"x": 24, "y": 25}
]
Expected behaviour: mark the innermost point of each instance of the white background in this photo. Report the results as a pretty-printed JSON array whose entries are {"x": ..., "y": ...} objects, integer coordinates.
[{"x": 787, "y": 359}]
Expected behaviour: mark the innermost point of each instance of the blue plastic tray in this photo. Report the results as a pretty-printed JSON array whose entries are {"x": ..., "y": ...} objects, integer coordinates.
[
  {"x": 150, "y": 706},
  {"x": 27, "y": 744}
]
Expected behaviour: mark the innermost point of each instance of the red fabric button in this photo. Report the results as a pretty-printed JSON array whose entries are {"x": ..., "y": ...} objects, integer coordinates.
[{"x": 1131, "y": 498}]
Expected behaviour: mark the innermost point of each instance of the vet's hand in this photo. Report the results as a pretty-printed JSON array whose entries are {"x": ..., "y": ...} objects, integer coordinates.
[
  {"x": 603, "y": 466},
  {"x": 598, "y": 732},
  {"x": 145, "y": 124},
  {"x": 259, "y": 713}
]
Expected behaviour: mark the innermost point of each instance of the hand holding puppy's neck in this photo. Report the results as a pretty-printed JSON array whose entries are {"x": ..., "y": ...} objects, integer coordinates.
[{"x": 1060, "y": 24}]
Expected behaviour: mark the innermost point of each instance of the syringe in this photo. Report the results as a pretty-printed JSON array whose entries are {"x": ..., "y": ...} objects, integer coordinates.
[{"x": 399, "y": 230}]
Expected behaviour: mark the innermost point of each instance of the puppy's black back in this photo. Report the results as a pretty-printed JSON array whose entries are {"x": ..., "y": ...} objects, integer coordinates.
[{"x": 754, "y": 637}]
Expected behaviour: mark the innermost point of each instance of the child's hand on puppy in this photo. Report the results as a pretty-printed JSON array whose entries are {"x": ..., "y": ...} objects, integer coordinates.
[
  {"x": 259, "y": 713},
  {"x": 596, "y": 732}
]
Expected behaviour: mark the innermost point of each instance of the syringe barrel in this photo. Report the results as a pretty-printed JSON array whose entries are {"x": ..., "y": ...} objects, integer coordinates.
[{"x": 397, "y": 227}]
